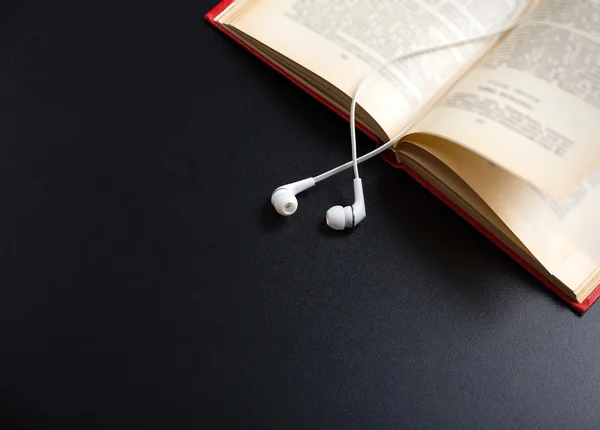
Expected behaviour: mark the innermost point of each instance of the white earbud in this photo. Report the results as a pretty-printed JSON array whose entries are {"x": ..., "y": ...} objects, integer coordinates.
[
  {"x": 339, "y": 218},
  {"x": 284, "y": 198}
]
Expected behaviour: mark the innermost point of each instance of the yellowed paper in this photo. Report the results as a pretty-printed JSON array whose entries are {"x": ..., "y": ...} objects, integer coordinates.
[
  {"x": 557, "y": 232},
  {"x": 344, "y": 41},
  {"x": 533, "y": 105}
]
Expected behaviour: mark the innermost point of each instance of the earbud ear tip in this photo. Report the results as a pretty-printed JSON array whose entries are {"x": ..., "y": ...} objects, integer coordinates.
[
  {"x": 335, "y": 218},
  {"x": 285, "y": 203}
]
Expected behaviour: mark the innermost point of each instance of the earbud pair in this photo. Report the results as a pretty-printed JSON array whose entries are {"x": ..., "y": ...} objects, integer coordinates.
[{"x": 285, "y": 203}]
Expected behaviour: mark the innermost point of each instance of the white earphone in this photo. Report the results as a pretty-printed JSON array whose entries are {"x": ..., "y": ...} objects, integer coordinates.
[
  {"x": 284, "y": 198},
  {"x": 285, "y": 203}
]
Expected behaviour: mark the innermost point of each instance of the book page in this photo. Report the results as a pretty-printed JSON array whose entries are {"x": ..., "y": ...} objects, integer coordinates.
[
  {"x": 532, "y": 105},
  {"x": 342, "y": 41},
  {"x": 560, "y": 233}
]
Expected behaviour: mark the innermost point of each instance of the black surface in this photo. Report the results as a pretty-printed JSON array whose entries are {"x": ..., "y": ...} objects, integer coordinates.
[{"x": 147, "y": 283}]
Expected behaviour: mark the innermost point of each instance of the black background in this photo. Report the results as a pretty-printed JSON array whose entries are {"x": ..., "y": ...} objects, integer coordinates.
[{"x": 146, "y": 282}]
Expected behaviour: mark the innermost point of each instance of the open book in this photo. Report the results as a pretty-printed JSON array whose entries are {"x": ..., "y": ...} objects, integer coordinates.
[{"x": 510, "y": 145}]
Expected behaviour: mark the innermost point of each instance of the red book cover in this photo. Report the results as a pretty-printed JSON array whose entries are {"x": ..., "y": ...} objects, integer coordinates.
[{"x": 390, "y": 157}]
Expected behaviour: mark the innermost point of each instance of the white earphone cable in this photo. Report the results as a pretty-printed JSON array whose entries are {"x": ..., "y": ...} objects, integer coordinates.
[{"x": 355, "y": 161}]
